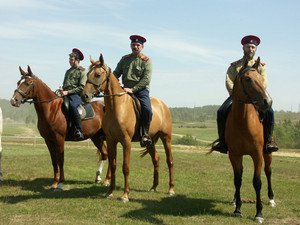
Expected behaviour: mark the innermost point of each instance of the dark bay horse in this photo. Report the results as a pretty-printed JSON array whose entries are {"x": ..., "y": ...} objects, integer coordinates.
[
  {"x": 120, "y": 124},
  {"x": 244, "y": 133},
  {"x": 52, "y": 122}
]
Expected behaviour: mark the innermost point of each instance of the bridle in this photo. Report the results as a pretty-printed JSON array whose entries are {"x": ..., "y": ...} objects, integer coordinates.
[
  {"x": 240, "y": 76},
  {"x": 27, "y": 98},
  {"x": 106, "y": 80}
]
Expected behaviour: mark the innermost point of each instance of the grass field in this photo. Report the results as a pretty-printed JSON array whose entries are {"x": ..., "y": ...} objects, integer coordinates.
[{"x": 203, "y": 185}]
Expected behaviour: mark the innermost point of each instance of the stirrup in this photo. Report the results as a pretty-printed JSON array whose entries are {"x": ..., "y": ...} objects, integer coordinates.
[
  {"x": 145, "y": 140},
  {"x": 220, "y": 147},
  {"x": 78, "y": 135}
]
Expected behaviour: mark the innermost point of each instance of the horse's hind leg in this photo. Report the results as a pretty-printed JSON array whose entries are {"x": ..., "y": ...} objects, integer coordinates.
[
  {"x": 167, "y": 139},
  {"x": 155, "y": 161},
  {"x": 237, "y": 166},
  {"x": 102, "y": 152},
  {"x": 268, "y": 172}
]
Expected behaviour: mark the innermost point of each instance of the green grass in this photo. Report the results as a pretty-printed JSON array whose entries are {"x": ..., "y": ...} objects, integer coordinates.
[{"x": 203, "y": 186}]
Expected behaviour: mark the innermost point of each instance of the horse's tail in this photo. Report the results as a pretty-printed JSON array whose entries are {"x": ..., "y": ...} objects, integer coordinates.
[{"x": 144, "y": 152}]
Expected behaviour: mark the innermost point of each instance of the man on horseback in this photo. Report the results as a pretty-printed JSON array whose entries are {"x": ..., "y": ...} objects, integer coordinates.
[
  {"x": 250, "y": 44},
  {"x": 74, "y": 81},
  {"x": 136, "y": 71}
]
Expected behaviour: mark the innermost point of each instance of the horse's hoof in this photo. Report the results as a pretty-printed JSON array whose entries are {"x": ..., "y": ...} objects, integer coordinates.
[
  {"x": 272, "y": 203},
  {"x": 98, "y": 181},
  {"x": 171, "y": 193},
  {"x": 152, "y": 190},
  {"x": 109, "y": 196},
  {"x": 259, "y": 219},
  {"x": 124, "y": 199},
  {"x": 106, "y": 183},
  {"x": 237, "y": 214},
  {"x": 53, "y": 186}
]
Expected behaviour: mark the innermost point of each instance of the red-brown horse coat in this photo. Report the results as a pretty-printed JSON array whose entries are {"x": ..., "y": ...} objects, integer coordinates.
[
  {"x": 52, "y": 123},
  {"x": 244, "y": 133}
]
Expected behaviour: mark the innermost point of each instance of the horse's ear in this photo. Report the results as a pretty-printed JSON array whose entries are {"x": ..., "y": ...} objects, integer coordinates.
[
  {"x": 256, "y": 64},
  {"x": 23, "y": 73},
  {"x": 29, "y": 70},
  {"x": 101, "y": 59},
  {"x": 92, "y": 61}
]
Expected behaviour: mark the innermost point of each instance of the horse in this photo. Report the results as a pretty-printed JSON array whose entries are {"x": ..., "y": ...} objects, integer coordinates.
[
  {"x": 120, "y": 124},
  {"x": 1, "y": 129},
  {"x": 244, "y": 133},
  {"x": 53, "y": 123}
]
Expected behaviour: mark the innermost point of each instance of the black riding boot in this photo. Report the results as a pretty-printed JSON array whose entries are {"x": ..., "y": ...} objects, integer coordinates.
[
  {"x": 78, "y": 135},
  {"x": 270, "y": 145},
  {"x": 220, "y": 145},
  {"x": 145, "y": 138}
]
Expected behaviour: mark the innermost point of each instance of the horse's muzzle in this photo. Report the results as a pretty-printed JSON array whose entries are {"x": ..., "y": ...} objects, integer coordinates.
[{"x": 15, "y": 102}]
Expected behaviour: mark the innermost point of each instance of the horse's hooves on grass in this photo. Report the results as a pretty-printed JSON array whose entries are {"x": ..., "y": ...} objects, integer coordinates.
[
  {"x": 171, "y": 193},
  {"x": 106, "y": 183},
  {"x": 152, "y": 190},
  {"x": 124, "y": 199},
  {"x": 259, "y": 219},
  {"x": 237, "y": 214},
  {"x": 109, "y": 196},
  {"x": 272, "y": 203},
  {"x": 98, "y": 181}
]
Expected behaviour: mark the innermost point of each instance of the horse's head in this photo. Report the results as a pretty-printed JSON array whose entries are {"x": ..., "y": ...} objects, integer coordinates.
[
  {"x": 249, "y": 87},
  {"x": 25, "y": 88},
  {"x": 97, "y": 79}
]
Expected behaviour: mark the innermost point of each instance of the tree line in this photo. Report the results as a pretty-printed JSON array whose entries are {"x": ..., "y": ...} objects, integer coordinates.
[{"x": 286, "y": 132}]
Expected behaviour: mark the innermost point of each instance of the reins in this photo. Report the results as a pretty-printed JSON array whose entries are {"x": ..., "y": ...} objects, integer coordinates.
[
  {"x": 30, "y": 101},
  {"x": 98, "y": 86}
]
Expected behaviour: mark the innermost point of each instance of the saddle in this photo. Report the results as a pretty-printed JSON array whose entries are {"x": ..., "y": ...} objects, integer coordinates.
[
  {"x": 85, "y": 111},
  {"x": 137, "y": 109}
]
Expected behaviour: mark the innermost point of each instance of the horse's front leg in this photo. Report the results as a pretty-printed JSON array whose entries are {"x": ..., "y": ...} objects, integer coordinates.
[
  {"x": 268, "y": 172},
  {"x": 257, "y": 187},
  {"x": 125, "y": 168},
  {"x": 56, "y": 149},
  {"x": 112, "y": 157},
  {"x": 53, "y": 156},
  {"x": 237, "y": 166}
]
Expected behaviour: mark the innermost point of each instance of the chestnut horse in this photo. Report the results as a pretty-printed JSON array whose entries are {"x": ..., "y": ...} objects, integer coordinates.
[
  {"x": 244, "y": 133},
  {"x": 120, "y": 124},
  {"x": 52, "y": 122},
  {"x": 1, "y": 128}
]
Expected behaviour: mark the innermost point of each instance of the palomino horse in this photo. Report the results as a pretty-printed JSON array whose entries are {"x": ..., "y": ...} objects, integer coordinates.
[
  {"x": 1, "y": 128},
  {"x": 52, "y": 122},
  {"x": 244, "y": 133},
  {"x": 120, "y": 124}
]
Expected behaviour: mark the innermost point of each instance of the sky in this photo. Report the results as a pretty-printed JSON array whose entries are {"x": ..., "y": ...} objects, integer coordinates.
[{"x": 191, "y": 43}]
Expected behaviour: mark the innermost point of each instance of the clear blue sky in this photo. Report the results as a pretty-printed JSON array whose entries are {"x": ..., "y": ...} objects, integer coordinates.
[{"x": 191, "y": 43}]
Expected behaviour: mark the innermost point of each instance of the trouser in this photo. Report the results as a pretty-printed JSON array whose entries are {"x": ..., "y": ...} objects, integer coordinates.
[
  {"x": 146, "y": 110},
  {"x": 268, "y": 123},
  {"x": 222, "y": 114},
  {"x": 223, "y": 111},
  {"x": 75, "y": 101}
]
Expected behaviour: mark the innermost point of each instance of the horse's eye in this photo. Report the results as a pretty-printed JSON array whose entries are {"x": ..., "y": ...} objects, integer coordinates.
[{"x": 97, "y": 75}]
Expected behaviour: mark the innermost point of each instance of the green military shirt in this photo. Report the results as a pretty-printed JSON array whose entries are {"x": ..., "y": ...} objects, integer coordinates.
[
  {"x": 136, "y": 71},
  {"x": 75, "y": 79},
  {"x": 235, "y": 68}
]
